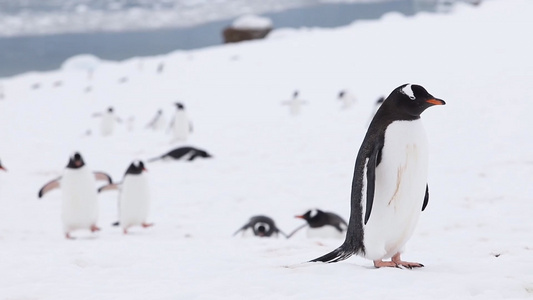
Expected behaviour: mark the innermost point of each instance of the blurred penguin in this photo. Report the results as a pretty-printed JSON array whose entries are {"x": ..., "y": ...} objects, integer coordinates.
[
  {"x": 80, "y": 203},
  {"x": 322, "y": 224},
  {"x": 107, "y": 123},
  {"x": 134, "y": 197},
  {"x": 180, "y": 125},
  {"x": 347, "y": 98},
  {"x": 295, "y": 104},
  {"x": 261, "y": 226},
  {"x": 158, "y": 122}
]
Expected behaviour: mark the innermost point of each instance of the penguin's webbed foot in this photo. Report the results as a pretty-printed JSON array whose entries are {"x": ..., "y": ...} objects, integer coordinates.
[
  {"x": 405, "y": 264},
  {"x": 385, "y": 264},
  {"x": 94, "y": 228},
  {"x": 146, "y": 225},
  {"x": 68, "y": 236}
]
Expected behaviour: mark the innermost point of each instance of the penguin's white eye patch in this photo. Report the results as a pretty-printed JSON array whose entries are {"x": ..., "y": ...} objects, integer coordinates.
[
  {"x": 313, "y": 213},
  {"x": 408, "y": 91}
]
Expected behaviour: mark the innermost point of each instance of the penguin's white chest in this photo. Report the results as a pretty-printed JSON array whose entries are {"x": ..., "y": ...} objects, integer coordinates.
[
  {"x": 181, "y": 126},
  {"x": 134, "y": 201},
  {"x": 400, "y": 187},
  {"x": 79, "y": 203},
  {"x": 107, "y": 124}
]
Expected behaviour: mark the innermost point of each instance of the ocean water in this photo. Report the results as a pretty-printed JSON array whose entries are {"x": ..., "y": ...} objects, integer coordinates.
[{"x": 38, "y": 35}]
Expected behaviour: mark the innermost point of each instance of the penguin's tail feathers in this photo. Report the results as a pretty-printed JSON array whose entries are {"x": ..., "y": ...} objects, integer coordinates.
[{"x": 336, "y": 255}]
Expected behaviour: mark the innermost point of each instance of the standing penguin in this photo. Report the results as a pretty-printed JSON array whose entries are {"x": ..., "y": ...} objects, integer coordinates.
[
  {"x": 295, "y": 104},
  {"x": 180, "y": 125},
  {"x": 389, "y": 188},
  {"x": 107, "y": 124},
  {"x": 158, "y": 121},
  {"x": 347, "y": 98},
  {"x": 79, "y": 204},
  {"x": 322, "y": 224},
  {"x": 134, "y": 197}
]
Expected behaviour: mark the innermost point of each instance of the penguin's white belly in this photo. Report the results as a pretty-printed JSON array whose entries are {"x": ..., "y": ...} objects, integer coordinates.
[
  {"x": 107, "y": 124},
  {"x": 181, "y": 127},
  {"x": 134, "y": 201},
  {"x": 400, "y": 187},
  {"x": 159, "y": 123},
  {"x": 80, "y": 202},
  {"x": 325, "y": 232}
]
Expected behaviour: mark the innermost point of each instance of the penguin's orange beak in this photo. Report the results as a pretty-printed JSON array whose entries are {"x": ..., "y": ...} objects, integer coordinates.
[
  {"x": 299, "y": 217},
  {"x": 2, "y": 168},
  {"x": 436, "y": 102},
  {"x": 145, "y": 170}
]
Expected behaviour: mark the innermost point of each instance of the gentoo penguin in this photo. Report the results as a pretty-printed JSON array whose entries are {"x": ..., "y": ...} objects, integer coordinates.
[
  {"x": 134, "y": 197},
  {"x": 322, "y": 224},
  {"x": 180, "y": 125},
  {"x": 347, "y": 98},
  {"x": 295, "y": 104},
  {"x": 78, "y": 186},
  {"x": 389, "y": 188},
  {"x": 261, "y": 226},
  {"x": 107, "y": 124},
  {"x": 183, "y": 153},
  {"x": 158, "y": 122}
]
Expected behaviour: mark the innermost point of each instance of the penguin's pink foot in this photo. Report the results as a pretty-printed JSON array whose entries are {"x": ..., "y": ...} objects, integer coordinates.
[
  {"x": 385, "y": 264},
  {"x": 146, "y": 225},
  {"x": 399, "y": 262},
  {"x": 94, "y": 228},
  {"x": 68, "y": 237}
]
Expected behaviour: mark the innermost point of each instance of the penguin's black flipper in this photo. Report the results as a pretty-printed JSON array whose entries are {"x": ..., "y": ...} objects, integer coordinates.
[
  {"x": 426, "y": 198},
  {"x": 282, "y": 233},
  {"x": 296, "y": 230},
  {"x": 108, "y": 187},
  {"x": 371, "y": 181},
  {"x": 54, "y": 184},
  {"x": 154, "y": 159},
  {"x": 102, "y": 176},
  {"x": 336, "y": 255},
  {"x": 244, "y": 227}
]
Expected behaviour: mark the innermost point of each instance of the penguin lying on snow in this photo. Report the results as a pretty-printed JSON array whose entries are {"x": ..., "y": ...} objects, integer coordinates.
[
  {"x": 79, "y": 204},
  {"x": 261, "y": 226},
  {"x": 134, "y": 197},
  {"x": 183, "y": 153},
  {"x": 322, "y": 224},
  {"x": 389, "y": 188}
]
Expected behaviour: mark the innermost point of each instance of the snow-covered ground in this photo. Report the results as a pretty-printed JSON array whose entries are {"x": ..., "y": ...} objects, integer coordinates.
[{"x": 475, "y": 237}]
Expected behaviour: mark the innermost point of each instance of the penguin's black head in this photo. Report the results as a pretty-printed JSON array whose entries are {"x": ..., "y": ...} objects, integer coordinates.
[
  {"x": 315, "y": 218},
  {"x": 75, "y": 161},
  {"x": 136, "y": 168},
  {"x": 295, "y": 94},
  {"x": 110, "y": 109},
  {"x": 341, "y": 94},
  {"x": 179, "y": 105},
  {"x": 412, "y": 99},
  {"x": 262, "y": 226},
  {"x": 380, "y": 100}
]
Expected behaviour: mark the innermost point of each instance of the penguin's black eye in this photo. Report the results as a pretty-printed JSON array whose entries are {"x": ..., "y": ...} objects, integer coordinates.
[{"x": 261, "y": 227}]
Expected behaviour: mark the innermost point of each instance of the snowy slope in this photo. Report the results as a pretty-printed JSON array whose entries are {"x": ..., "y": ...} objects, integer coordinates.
[{"x": 475, "y": 238}]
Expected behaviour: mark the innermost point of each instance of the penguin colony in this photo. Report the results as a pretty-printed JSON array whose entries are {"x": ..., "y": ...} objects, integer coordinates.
[{"x": 389, "y": 187}]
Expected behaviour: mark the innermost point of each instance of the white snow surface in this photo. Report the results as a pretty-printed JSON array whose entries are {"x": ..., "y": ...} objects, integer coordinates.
[
  {"x": 252, "y": 22},
  {"x": 475, "y": 237}
]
